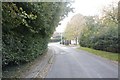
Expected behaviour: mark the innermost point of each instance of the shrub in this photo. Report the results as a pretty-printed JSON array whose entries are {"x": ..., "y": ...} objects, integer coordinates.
[{"x": 27, "y": 27}]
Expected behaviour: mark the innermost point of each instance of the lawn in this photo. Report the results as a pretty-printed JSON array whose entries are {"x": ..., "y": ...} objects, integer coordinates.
[{"x": 108, "y": 55}]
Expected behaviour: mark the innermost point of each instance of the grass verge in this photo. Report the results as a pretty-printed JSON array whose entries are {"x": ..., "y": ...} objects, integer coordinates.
[{"x": 108, "y": 55}]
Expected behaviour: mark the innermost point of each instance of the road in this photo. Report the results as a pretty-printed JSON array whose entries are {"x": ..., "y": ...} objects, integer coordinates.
[{"x": 70, "y": 62}]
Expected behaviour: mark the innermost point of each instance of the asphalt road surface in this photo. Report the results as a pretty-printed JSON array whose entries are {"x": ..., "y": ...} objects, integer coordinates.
[{"x": 70, "y": 62}]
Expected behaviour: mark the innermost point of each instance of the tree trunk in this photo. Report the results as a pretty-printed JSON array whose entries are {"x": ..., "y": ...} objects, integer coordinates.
[{"x": 76, "y": 40}]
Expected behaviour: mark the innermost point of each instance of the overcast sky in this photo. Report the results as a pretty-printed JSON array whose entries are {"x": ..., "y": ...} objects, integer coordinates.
[{"x": 86, "y": 8}]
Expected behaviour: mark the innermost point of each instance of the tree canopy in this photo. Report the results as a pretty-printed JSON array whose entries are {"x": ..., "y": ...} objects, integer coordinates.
[
  {"x": 74, "y": 27},
  {"x": 98, "y": 32}
]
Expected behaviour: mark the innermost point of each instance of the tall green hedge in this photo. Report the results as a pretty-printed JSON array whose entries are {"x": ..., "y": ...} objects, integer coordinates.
[
  {"x": 106, "y": 40},
  {"x": 100, "y": 37},
  {"x": 27, "y": 27}
]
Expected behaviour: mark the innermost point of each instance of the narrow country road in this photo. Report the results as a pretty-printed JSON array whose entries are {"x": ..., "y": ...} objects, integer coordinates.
[{"x": 72, "y": 63}]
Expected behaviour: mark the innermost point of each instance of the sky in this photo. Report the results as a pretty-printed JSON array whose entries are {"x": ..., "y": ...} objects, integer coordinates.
[{"x": 86, "y": 8}]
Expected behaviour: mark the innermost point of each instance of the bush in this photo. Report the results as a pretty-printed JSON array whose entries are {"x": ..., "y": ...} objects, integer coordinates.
[{"x": 106, "y": 40}]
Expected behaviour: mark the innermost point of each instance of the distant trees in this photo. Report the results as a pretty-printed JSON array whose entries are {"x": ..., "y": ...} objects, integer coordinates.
[
  {"x": 27, "y": 28},
  {"x": 74, "y": 27},
  {"x": 102, "y": 34},
  {"x": 98, "y": 32}
]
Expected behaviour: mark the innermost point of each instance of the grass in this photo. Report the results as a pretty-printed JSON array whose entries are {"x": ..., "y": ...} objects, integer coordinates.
[{"x": 108, "y": 55}]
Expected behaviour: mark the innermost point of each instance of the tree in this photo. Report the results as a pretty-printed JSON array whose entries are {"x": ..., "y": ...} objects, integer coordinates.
[
  {"x": 110, "y": 17},
  {"x": 74, "y": 27},
  {"x": 101, "y": 33}
]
